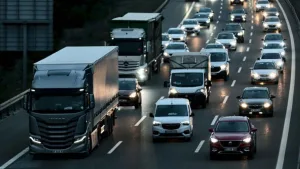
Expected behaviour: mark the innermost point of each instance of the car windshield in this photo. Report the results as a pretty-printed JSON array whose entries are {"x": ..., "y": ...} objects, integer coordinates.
[
  {"x": 273, "y": 37},
  {"x": 189, "y": 22},
  {"x": 175, "y": 46},
  {"x": 175, "y": 31},
  {"x": 225, "y": 36},
  {"x": 272, "y": 20},
  {"x": 48, "y": 103},
  {"x": 214, "y": 46},
  {"x": 232, "y": 126},
  {"x": 255, "y": 94},
  {"x": 273, "y": 46},
  {"x": 187, "y": 79},
  {"x": 264, "y": 65},
  {"x": 238, "y": 11},
  {"x": 127, "y": 85},
  {"x": 271, "y": 56},
  {"x": 232, "y": 27},
  {"x": 171, "y": 110},
  {"x": 262, "y": 2},
  {"x": 218, "y": 57},
  {"x": 201, "y": 16},
  {"x": 205, "y": 10},
  {"x": 165, "y": 38}
]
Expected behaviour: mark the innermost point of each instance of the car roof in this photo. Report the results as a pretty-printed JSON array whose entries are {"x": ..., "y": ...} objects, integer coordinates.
[
  {"x": 172, "y": 101},
  {"x": 215, "y": 50},
  {"x": 264, "y": 61},
  {"x": 225, "y": 33},
  {"x": 215, "y": 44},
  {"x": 256, "y": 88},
  {"x": 181, "y": 43},
  {"x": 233, "y": 118}
]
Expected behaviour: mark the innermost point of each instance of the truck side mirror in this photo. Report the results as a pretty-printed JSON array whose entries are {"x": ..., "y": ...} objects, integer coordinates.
[
  {"x": 166, "y": 84},
  {"x": 92, "y": 101},
  {"x": 25, "y": 103}
]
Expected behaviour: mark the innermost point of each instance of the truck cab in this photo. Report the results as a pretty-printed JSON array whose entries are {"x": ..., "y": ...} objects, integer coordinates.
[{"x": 190, "y": 78}]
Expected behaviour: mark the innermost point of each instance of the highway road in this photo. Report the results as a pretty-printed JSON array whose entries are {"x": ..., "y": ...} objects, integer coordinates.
[{"x": 131, "y": 144}]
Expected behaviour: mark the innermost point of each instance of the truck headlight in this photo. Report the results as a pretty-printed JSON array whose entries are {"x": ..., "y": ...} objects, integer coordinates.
[
  {"x": 213, "y": 140},
  {"x": 35, "y": 140},
  {"x": 223, "y": 67},
  {"x": 166, "y": 54},
  {"x": 200, "y": 90},
  {"x": 279, "y": 63},
  {"x": 267, "y": 105},
  {"x": 247, "y": 140},
  {"x": 265, "y": 14},
  {"x": 80, "y": 139},
  {"x": 156, "y": 123},
  {"x": 173, "y": 91},
  {"x": 244, "y": 105},
  {"x": 278, "y": 25},
  {"x": 272, "y": 75},
  {"x": 282, "y": 53},
  {"x": 141, "y": 71},
  {"x": 132, "y": 95},
  {"x": 255, "y": 75},
  {"x": 185, "y": 123}
]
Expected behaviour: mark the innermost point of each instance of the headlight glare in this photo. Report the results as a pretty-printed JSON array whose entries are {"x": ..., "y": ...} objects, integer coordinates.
[
  {"x": 247, "y": 140},
  {"x": 166, "y": 54},
  {"x": 244, "y": 105},
  {"x": 182, "y": 27},
  {"x": 156, "y": 123},
  {"x": 181, "y": 38},
  {"x": 265, "y": 25},
  {"x": 272, "y": 75},
  {"x": 279, "y": 63},
  {"x": 200, "y": 90},
  {"x": 282, "y": 53},
  {"x": 267, "y": 105},
  {"x": 173, "y": 91},
  {"x": 279, "y": 24},
  {"x": 141, "y": 71},
  {"x": 255, "y": 75},
  {"x": 240, "y": 33},
  {"x": 223, "y": 67},
  {"x": 213, "y": 140},
  {"x": 233, "y": 43},
  {"x": 132, "y": 95}
]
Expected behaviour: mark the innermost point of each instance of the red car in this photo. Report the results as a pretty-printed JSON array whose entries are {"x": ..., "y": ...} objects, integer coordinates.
[{"x": 233, "y": 135}]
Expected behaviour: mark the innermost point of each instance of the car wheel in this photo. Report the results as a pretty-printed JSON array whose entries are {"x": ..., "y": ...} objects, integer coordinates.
[
  {"x": 279, "y": 30},
  {"x": 276, "y": 82},
  {"x": 243, "y": 40},
  {"x": 252, "y": 82},
  {"x": 208, "y": 26},
  {"x": 212, "y": 156},
  {"x": 226, "y": 77},
  {"x": 204, "y": 104},
  {"x": 251, "y": 155}
]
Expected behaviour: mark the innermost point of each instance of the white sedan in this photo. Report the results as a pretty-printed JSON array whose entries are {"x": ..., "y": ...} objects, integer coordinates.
[
  {"x": 165, "y": 40},
  {"x": 228, "y": 40},
  {"x": 272, "y": 23},
  {"x": 273, "y": 47},
  {"x": 191, "y": 26},
  {"x": 177, "y": 34},
  {"x": 262, "y": 5},
  {"x": 274, "y": 57},
  {"x": 174, "y": 47},
  {"x": 274, "y": 38}
]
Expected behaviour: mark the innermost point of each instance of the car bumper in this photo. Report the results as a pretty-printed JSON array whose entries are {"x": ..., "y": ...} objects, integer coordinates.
[
  {"x": 220, "y": 73},
  {"x": 194, "y": 98},
  {"x": 181, "y": 132},
  {"x": 127, "y": 101},
  {"x": 192, "y": 30},
  {"x": 219, "y": 150},
  {"x": 255, "y": 111},
  {"x": 264, "y": 80},
  {"x": 271, "y": 28},
  {"x": 238, "y": 19}
]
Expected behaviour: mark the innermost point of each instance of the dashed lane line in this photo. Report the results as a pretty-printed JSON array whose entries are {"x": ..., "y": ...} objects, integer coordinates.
[
  {"x": 140, "y": 121},
  {"x": 217, "y": 22},
  {"x": 244, "y": 59},
  {"x": 251, "y": 27},
  {"x": 240, "y": 69},
  {"x": 207, "y": 41},
  {"x": 248, "y": 48},
  {"x": 187, "y": 14},
  {"x": 8, "y": 163},
  {"x": 115, "y": 147},
  {"x": 214, "y": 120},
  {"x": 225, "y": 99},
  {"x": 233, "y": 83},
  {"x": 251, "y": 33},
  {"x": 199, "y": 146},
  {"x": 250, "y": 40}
]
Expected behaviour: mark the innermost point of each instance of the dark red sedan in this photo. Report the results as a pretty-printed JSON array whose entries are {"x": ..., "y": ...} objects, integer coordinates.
[{"x": 233, "y": 135}]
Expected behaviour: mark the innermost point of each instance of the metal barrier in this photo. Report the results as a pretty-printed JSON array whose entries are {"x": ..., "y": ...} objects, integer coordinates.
[{"x": 12, "y": 105}]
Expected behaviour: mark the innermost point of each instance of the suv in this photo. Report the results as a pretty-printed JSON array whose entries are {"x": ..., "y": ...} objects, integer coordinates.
[
  {"x": 233, "y": 135},
  {"x": 129, "y": 92},
  {"x": 173, "y": 118}
]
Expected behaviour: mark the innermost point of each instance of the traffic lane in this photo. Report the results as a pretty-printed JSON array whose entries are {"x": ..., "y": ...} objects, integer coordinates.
[{"x": 14, "y": 135}]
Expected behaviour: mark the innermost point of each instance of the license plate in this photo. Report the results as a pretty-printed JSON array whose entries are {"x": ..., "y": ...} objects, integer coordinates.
[
  {"x": 122, "y": 100},
  {"x": 230, "y": 149},
  {"x": 255, "y": 110},
  {"x": 57, "y": 151},
  {"x": 171, "y": 131}
]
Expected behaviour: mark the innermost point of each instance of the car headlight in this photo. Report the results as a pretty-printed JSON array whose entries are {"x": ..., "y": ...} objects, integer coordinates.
[
  {"x": 197, "y": 27},
  {"x": 279, "y": 63},
  {"x": 166, "y": 54},
  {"x": 186, "y": 123},
  {"x": 182, "y": 27},
  {"x": 156, "y": 123},
  {"x": 265, "y": 25},
  {"x": 240, "y": 33},
  {"x": 277, "y": 13},
  {"x": 233, "y": 43},
  {"x": 242, "y": 0},
  {"x": 244, "y": 16},
  {"x": 265, "y": 14},
  {"x": 258, "y": 6},
  {"x": 282, "y": 44},
  {"x": 244, "y": 105},
  {"x": 223, "y": 67},
  {"x": 132, "y": 95},
  {"x": 213, "y": 140},
  {"x": 181, "y": 38},
  {"x": 208, "y": 21},
  {"x": 200, "y": 90},
  {"x": 211, "y": 14},
  {"x": 166, "y": 44},
  {"x": 267, "y": 105},
  {"x": 218, "y": 42},
  {"x": 141, "y": 71},
  {"x": 231, "y": 16},
  {"x": 231, "y": 0},
  {"x": 173, "y": 91},
  {"x": 268, "y": 6},
  {"x": 80, "y": 139},
  {"x": 272, "y": 75},
  {"x": 255, "y": 75},
  {"x": 247, "y": 140},
  {"x": 278, "y": 25},
  {"x": 282, "y": 53}
]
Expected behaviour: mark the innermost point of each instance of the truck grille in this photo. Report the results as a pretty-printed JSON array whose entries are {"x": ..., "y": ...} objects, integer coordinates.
[
  {"x": 128, "y": 65},
  {"x": 171, "y": 126},
  {"x": 255, "y": 106},
  {"x": 215, "y": 69},
  {"x": 230, "y": 143},
  {"x": 57, "y": 136}
]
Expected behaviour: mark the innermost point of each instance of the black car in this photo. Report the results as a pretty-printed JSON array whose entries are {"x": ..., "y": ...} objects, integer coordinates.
[
  {"x": 129, "y": 92},
  {"x": 237, "y": 2},
  {"x": 238, "y": 15},
  {"x": 256, "y": 100},
  {"x": 237, "y": 30}
]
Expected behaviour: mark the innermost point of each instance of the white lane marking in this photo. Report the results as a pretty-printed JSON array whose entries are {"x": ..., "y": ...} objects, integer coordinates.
[
  {"x": 298, "y": 162},
  {"x": 187, "y": 14},
  {"x": 115, "y": 147},
  {"x": 207, "y": 41},
  {"x": 233, "y": 83},
  {"x": 214, "y": 120},
  {"x": 240, "y": 69},
  {"x": 140, "y": 121},
  {"x": 244, "y": 59},
  {"x": 199, "y": 146},
  {"x": 251, "y": 33},
  {"x": 287, "y": 120},
  {"x": 251, "y": 27},
  {"x": 248, "y": 48},
  {"x": 211, "y": 34},
  {"x": 219, "y": 17},
  {"x": 15, "y": 158},
  {"x": 252, "y": 21},
  {"x": 225, "y": 99},
  {"x": 221, "y": 3},
  {"x": 220, "y": 11},
  {"x": 221, "y": 7},
  {"x": 215, "y": 28},
  {"x": 250, "y": 40},
  {"x": 217, "y": 22}
]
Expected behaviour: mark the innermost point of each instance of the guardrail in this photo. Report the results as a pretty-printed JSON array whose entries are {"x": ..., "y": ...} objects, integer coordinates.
[{"x": 12, "y": 105}]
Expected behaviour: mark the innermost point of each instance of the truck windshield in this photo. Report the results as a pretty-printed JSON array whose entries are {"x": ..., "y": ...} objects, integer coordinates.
[
  {"x": 187, "y": 79},
  {"x": 129, "y": 47},
  {"x": 57, "y": 103},
  {"x": 171, "y": 110}
]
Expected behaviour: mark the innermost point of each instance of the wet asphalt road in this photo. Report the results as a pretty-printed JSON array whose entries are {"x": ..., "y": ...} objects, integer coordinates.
[{"x": 137, "y": 151}]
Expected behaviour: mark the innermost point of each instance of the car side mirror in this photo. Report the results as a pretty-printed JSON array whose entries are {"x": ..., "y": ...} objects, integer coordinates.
[
  {"x": 228, "y": 60},
  {"x": 211, "y": 130},
  {"x": 92, "y": 101},
  {"x": 238, "y": 97},
  {"x": 258, "y": 58},
  {"x": 162, "y": 18},
  {"x": 254, "y": 129},
  {"x": 166, "y": 84},
  {"x": 192, "y": 114},
  {"x": 243, "y": 28},
  {"x": 273, "y": 97},
  {"x": 284, "y": 60},
  {"x": 251, "y": 68},
  {"x": 262, "y": 39},
  {"x": 26, "y": 101},
  {"x": 151, "y": 115}
]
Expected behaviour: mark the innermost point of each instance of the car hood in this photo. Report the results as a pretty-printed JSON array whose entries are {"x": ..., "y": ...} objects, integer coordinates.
[
  {"x": 176, "y": 35},
  {"x": 264, "y": 71},
  {"x": 272, "y": 60},
  {"x": 126, "y": 92},
  {"x": 203, "y": 12},
  {"x": 174, "y": 51},
  {"x": 264, "y": 5},
  {"x": 167, "y": 119},
  {"x": 230, "y": 136},
  {"x": 272, "y": 51},
  {"x": 224, "y": 41},
  {"x": 255, "y": 101},
  {"x": 190, "y": 26}
]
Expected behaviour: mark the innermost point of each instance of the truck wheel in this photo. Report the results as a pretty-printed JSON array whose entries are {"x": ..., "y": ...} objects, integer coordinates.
[
  {"x": 137, "y": 104},
  {"x": 251, "y": 155}
]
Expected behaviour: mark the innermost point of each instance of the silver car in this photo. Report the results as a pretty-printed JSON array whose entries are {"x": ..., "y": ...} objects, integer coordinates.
[
  {"x": 228, "y": 40},
  {"x": 270, "y": 12},
  {"x": 273, "y": 48},
  {"x": 264, "y": 72},
  {"x": 203, "y": 20},
  {"x": 274, "y": 57},
  {"x": 262, "y": 5},
  {"x": 165, "y": 40},
  {"x": 191, "y": 26},
  {"x": 177, "y": 34},
  {"x": 206, "y": 10},
  {"x": 272, "y": 23},
  {"x": 274, "y": 38},
  {"x": 238, "y": 15},
  {"x": 174, "y": 47}
]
